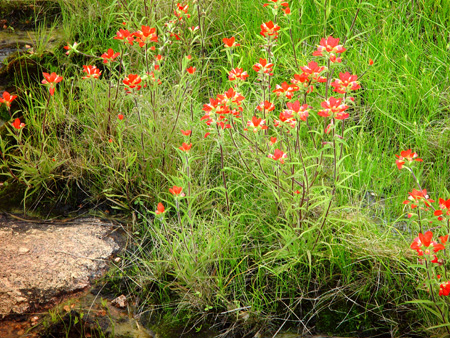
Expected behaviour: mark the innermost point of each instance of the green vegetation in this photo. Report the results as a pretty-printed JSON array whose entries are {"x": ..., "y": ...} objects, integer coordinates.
[{"x": 241, "y": 250}]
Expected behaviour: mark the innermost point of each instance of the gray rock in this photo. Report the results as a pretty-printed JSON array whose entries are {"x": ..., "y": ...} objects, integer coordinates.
[{"x": 40, "y": 261}]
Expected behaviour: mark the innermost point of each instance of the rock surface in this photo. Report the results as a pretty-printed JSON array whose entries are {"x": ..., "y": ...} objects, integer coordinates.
[{"x": 40, "y": 261}]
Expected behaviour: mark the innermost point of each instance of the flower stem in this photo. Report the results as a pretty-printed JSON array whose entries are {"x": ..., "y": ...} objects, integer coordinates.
[
  {"x": 432, "y": 294},
  {"x": 140, "y": 124}
]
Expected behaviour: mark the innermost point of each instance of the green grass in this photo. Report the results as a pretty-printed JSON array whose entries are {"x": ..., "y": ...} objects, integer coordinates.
[{"x": 256, "y": 266}]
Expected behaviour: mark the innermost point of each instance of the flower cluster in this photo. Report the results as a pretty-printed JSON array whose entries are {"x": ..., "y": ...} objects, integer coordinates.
[
  {"x": 7, "y": 99},
  {"x": 142, "y": 37},
  {"x": 335, "y": 108},
  {"x": 217, "y": 110},
  {"x": 406, "y": 155},
  {"x": 51, "y": 80},
  {"x": 279, "y": 4},
  {"x": 329, "y": 48}
]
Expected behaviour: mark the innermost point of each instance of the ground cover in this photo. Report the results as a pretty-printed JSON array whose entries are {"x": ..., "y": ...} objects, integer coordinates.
[{"x": 242, "y": 249}]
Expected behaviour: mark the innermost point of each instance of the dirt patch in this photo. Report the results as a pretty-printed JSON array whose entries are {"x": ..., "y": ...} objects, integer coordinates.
[{"x": 41, "y": 261}]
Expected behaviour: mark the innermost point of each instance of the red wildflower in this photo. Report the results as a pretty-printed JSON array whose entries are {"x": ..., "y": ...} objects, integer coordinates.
[
  {"x": 263, "y": 67},
  {"x": 301, "y": 110},
  {"x": 278, "y": 155},
  {"x": 418, "y": 196},
  {"x": 191, "y": 70},
  {"x": 335, "y": 108},
  {"x": 120, "y": 117},
  {"x": 423, "y": 242},
  {"x": 330, "y": 47},
  {"x": 92, "y": 72},
  {"x": 176, "y": 191},
  {"x": 407, "y": 155},
  {"x": 286, "y": 89},
  {"x": 51, "y": 80},
  {"x": 133, "y": 81},
  {"x": 269, "y": 29},
  {"x": 231, "y": 97},
  {"x": 7, "y": 98},
  {"x": 185, "y": 147},
  {"x": 230, "y": 42},
  {"x": 181, "y": 11},
  {"x": 186, "y": 132},
  {"x": 237, "y": 74},
  {"x": 257, "y": 124},
  {"x": 279, "y": 4},
  {"x": 160, "y": 209},
  {"x": 266, "y": 105},
  {"x": 370, "y": 62},
  {"x": 145, "y": 35},
  {"x": 444, "y": 289},
  {"x": 304, "y": 81},
  {"x": 444, "y": 208},
  {"x": 286, "y": 118},
  {"x": 312, "y": 71},
  {"x": 273, "y": 140},
  {"x": 17, "y": 124},
  {"x": 109, "y": 56},
  {"x": 345, "y": 83},
  {"x": 125, "y": 36}
]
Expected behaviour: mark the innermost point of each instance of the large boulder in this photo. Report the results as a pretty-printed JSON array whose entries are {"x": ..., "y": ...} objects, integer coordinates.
[{"x": 41, "y": 261}]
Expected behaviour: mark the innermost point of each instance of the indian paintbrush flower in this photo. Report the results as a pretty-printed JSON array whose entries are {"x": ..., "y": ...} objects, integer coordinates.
[
  {"x": 160, "y": 209},
  {"x": 263, "y": 67},
  {"x": 237, "y": 74},
  {"x": 345, "y": 83},
  {"x": 335, "y": 108},
  {"x": 185, "y": 147},
  {"x": 51, "y": 80},
  {"x": 444, "y": 208},
  {"x": 132, "y": 81},
  {"x": 278, "y": 155},
  {"x": 330, "y": 47},
  {"x": 92, "y": 72},
  {"x": 256, "y": 124},
  {"x": 17, "y": 124},
  {"x": 269, "y": 29},
  {"x": 266, "y": 105},
  {"x": 186, "y": 132},
  {"x": 110, "y": 56},
  {"x": 125, "y": 36},
  {"x": 300, "y": 110},
  {"x": 406, "y": 155},
  {"x": 7, "y": 99},
  {"x": 71, "y": 48},
  {"x": 230, "y": 42},
  {"x": 145, "y": 35},
  {"x": 176, "y": 191},
  {"x": 286, "y": 90}
]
